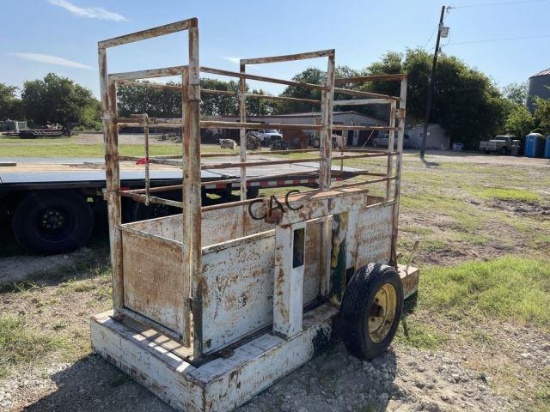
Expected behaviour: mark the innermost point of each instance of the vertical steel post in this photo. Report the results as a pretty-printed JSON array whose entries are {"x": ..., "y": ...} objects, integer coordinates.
[
  {"x": 401, "y": 115},
  {"x": 146, "y": 143},
  {"x": 327, "y": 96},
  {"x": 390, "y": 148},
  {"x": 242, "y": 147},
  {"x": 242, "y": 130},
  {"x": 192, "y": 215},
  {"x": 112, "y": 174}
]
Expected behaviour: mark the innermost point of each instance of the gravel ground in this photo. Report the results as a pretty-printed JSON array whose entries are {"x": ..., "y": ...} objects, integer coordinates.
[
  {"x": 404, "y": 379},
  {"x": 458, "y": 377}
]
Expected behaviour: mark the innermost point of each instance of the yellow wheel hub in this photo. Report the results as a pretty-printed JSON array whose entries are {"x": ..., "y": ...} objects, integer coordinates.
[{"x": 382, "y": 313}]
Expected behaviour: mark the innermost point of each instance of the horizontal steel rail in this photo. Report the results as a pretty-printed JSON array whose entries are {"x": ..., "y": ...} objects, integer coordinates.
[
  {"x": 148, "y": 73},
  {"x": 374, "y": 78},
  {"x": 289, "y": 57},
  {"x": 261, "y": 78},
  {"x": 149, "y": 33}
]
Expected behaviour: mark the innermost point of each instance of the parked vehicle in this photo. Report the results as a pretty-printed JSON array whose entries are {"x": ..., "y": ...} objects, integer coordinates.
[
  {"x": 266, "y": 136},
  {"x": 502, "y": 144},
  {"x": 383, "y": 141}
]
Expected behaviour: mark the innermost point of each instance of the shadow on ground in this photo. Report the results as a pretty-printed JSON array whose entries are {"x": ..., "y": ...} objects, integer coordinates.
[{"x": 92, "y": 385}]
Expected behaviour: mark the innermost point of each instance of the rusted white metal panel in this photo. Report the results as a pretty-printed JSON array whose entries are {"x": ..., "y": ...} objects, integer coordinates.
[
  {"x": 288, "y": 298},
  {"x": 313, "y": 205},
  {"x": 373, "y": 233},
  {"x": 233, "y": 222},
  {"x": 238, "y": 292},
  {"x": 154, "y": 285}
]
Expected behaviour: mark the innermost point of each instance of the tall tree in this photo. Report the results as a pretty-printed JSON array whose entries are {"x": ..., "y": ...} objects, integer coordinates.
[
  {"x": 466, "y": 103},
  {"x": 311, "y": 75},
  {"x": 219, "y": 104},
  {"x": 260, "y": 106},
  {"x": 142, "y": 98},
  {"x": 515, "y": 92},
  {"x": 57, "y": 100},
  {"x": 10, "y": 105},
  {"x": 519, "y": 121},
  {"x": 542, "y": 115}
]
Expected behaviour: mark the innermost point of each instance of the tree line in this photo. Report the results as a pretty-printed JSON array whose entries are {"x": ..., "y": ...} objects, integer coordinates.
[
  {"x": 53, "y": 100},
  {"x": 466, "y": 103}
]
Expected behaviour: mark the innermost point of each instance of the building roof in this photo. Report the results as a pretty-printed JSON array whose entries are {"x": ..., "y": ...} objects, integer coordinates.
[{"x": 542, "y": 73}]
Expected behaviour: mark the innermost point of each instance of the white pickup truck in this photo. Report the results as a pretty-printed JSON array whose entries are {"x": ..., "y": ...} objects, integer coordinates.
[
  {"x": 501, "y": 144},
  {"x": 266, "y": 136}
]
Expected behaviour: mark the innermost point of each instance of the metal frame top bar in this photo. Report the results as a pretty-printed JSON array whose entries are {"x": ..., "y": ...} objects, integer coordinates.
[
  {"x": 289, "y": 57},
  {"x": 148, "y": 73},
  {"x": 149, "y": 33},
  {"x": 363, "y": 79},
  {"x": 221, "y": 72}
]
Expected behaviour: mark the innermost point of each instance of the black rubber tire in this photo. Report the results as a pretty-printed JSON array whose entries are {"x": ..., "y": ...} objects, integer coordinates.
[
  {"x": 357, "y": 303},
  {"x": 52, "y": 222},
  {"x": 252, "y": 192},
  {"x": 139, "y": 211},
  {"x": 504, "y": 151}
]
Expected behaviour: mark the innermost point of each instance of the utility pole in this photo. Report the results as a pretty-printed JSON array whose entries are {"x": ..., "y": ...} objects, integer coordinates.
[{"x": 431, "y": 86}]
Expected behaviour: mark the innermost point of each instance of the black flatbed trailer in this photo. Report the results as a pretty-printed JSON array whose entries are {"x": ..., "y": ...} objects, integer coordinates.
[{"x": 51, "y": 207}]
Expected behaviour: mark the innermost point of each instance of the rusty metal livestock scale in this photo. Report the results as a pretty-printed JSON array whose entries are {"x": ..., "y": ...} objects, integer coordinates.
[{"x": 213, "y": 305}]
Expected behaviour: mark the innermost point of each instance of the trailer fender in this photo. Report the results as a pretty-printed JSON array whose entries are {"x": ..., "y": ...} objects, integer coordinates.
[
  {"x": 371, "y": 309},
  {"x": 52, "y": 222}
]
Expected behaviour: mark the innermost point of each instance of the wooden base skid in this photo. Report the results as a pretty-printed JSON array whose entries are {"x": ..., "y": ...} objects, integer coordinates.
[{"x": 220, "y": 384}]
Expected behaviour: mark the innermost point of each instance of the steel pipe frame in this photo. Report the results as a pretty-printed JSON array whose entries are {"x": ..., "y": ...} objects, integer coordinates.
[
  {"x": 191, "y": 248},
  {"x": 191, "y": 146}
]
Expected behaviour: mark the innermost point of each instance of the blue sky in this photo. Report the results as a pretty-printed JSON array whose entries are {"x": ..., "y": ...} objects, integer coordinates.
[{"x": 505, "y": 39}]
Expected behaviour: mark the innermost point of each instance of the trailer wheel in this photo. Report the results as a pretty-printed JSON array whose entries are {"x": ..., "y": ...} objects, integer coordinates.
[
  {"x": 370, "y": 310},
  {"x": 139, "y": 211},
  {"x": 53, "y": 222},
  {"x": 504, "y": 151}
]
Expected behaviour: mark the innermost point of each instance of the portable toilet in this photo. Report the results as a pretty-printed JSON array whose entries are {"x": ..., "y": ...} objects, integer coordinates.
[
  {"x": 547, "y": 147},
  {"x": 534, "y": 145}
]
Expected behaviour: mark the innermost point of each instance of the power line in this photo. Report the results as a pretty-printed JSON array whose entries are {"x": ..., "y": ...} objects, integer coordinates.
[
  {"x": 430, "y": 39},
  {"x": 502, "y": 3},
  {"x": 501, "y": 39}
]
